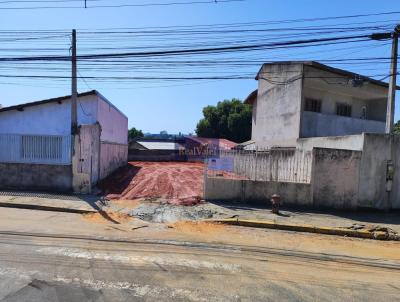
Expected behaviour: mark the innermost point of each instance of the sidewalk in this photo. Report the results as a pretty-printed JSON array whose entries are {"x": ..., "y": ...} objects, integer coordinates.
[
  {"x": 307, "y": 220},
  {"x": 50, "y": 201},
  {"x": 354, "y": 220}
]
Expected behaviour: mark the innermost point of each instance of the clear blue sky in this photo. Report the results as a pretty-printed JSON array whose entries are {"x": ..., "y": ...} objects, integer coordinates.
[{"x": 176, "y": 107}]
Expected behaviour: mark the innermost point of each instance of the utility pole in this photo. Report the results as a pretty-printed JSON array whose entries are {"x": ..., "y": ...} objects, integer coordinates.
[
  {"x": 75, "y": 148},
  {"x": 392, "y": 82},
  {"x": 74, "y": 87}
]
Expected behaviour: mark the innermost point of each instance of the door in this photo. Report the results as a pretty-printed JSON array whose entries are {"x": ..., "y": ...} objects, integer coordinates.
[{"x": 89, "y": 140}]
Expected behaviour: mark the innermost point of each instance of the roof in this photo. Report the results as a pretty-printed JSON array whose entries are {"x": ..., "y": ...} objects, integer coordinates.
[
  {"x": 246, "y": 143},
  {"x": 59, "y": 100},
  {"x": 223, "y": 143},
  {"x": 330, "y": 69},
  {"x": 152, "y": 145},
  {"x": 251, "y": 97}
]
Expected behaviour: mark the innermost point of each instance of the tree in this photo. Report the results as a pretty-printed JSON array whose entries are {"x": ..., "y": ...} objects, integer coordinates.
[
  {"x": 134, "y": 133},
  {"x": 396, "y": 127},
  {"x": 230, "y": 119}
]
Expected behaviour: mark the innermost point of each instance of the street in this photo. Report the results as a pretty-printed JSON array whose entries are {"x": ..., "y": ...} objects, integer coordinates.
[{"x": 93, "y": 263}]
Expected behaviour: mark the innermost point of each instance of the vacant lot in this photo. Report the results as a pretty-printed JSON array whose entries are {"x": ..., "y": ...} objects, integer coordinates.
[{"x": 176, "y": 182}]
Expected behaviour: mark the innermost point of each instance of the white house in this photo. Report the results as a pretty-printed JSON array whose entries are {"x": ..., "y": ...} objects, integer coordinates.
[
  {"x": 336, "y": 119},
  {"x": 301, "y": 99},
  {"x": 36, "y": 143}
]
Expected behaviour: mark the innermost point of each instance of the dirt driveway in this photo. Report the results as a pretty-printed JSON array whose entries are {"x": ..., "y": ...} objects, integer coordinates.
[{"x": 177, "y": 182}]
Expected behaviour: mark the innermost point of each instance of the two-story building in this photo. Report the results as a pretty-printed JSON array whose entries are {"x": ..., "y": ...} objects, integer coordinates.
[
  {"x": 338, "y": 118},
  {"x": 300, "y": 99}
]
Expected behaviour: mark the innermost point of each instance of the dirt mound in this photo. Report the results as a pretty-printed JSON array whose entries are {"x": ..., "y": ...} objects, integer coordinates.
[
  {"x": 177, "y": 182},
  {"x": 107, "y": 217}
]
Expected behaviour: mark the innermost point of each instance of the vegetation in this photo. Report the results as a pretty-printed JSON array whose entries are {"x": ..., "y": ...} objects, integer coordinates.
[
  {"x": 396, "y": 128},
  {"x": 230, "y": 119},
  {"x": 134, "y": 133}
]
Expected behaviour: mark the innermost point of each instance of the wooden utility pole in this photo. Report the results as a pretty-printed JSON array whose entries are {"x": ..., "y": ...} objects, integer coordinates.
[
  {"x": 392, "y": 83},
  {"x": 74, "y": 87}
]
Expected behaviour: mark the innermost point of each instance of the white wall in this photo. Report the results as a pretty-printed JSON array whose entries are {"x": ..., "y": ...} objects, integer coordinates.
[
  {"x": 347, "y": 142},
  {"x": 114, "y": 125},
  {"x": 335, "y": 178},
  {"x": 278, "y": 106},
  {"x": 318, "y": 124},
  {"x": 48, "y": 119}
]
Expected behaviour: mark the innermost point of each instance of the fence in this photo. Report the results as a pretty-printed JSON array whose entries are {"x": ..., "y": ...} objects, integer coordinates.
[
  {"x": 35, "y": 149},
  {"x": 282, "y": 165}
]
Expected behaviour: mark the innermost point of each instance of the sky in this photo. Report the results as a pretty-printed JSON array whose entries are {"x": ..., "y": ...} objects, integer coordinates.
[{"x": 175, "y": 106}]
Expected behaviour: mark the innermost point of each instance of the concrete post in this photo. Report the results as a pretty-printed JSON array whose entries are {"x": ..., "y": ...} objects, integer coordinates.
[
  {"x": 76, "y": 180},
  {"x": 392, "y": 83}
]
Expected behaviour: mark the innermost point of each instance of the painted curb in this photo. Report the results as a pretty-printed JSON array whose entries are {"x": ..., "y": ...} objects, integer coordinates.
[
  {"x": 268, "y": 224},
  {"x": 43, "y": 208}
]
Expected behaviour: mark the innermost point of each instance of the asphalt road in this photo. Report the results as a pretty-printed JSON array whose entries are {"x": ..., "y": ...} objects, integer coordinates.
[{"x": 47, "y": 268}]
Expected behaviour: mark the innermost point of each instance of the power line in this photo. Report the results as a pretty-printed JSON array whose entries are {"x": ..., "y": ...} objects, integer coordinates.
[
  {"x": 190, "y": 51},
  {"x": 116, "y": 6}
]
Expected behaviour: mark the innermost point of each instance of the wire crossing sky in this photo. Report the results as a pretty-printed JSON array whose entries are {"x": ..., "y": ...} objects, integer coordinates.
[{"x": 161, "y": 62}]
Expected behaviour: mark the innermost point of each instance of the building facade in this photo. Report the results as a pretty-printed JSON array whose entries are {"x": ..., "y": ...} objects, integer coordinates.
[
  {"x": 37, "y": 147},
  {"x": 308, "y": 99}
]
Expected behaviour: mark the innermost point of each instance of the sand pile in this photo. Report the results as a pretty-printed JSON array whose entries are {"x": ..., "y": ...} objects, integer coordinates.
[{"x": 179, "y": 183}]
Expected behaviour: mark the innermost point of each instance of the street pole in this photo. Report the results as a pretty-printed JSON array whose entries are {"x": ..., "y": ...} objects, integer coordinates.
[
  {"x": 392, "y": 82},
  {"x": 74, "y": 119},
  {"x": 74, "y": 87}
]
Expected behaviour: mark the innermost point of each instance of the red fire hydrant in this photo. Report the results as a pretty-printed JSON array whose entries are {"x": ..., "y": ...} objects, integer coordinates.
[{"x": 276, "y": 202}]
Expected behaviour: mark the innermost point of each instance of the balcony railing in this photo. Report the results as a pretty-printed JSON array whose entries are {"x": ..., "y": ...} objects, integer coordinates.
[{"x": 319, "y": 124}]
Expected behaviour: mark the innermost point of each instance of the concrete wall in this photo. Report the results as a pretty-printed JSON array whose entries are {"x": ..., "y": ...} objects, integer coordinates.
[
  {"x": 223, "y": 189},
  {"x": 378, "y": 149},
  {"x": 335, "y": 178},
  {"x": 114, "y": 124},
  {"x": 155, "y": 155},
  {"x": 112, "y": 156},
  {"x": 278, "y": 106},
  {"x": 51, "y": 119},
  {"x": 318, "y": 124},
  {"x": 35, "y": 177},
  {"x": 347, "y": 142},
  {"x": 346, "y": 179}
]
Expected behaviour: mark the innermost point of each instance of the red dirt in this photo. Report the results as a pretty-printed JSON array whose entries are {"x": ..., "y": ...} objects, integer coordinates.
[{"x": 178, "y": 182}]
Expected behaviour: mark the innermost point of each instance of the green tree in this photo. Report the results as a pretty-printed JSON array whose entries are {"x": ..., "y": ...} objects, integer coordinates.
[
  {"x": 230, "y": 119},
  {"x": 396, "y": 128},
  {"x": 134, "y": 133}
]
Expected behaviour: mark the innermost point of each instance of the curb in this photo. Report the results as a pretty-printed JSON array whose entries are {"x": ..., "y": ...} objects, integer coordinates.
[
  {"x": 268, "y": 224},
  {"x": 44, "y": 208}
]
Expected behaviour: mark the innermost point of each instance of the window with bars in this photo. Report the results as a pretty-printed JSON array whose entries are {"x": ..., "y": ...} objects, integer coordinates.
[
  {"x": 41, "y": 147},
  {"x": 313, "y": 105},
  {"x": 343, "y": 109}
]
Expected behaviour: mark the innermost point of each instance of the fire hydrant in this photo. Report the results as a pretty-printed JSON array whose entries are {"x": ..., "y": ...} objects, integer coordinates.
[{"x": 276, "y": 202}]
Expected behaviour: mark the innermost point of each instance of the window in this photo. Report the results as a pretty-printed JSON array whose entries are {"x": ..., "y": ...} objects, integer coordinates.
[
  {"x": 313, "y": 105},
  {"x": 343, "y": 109},
  {"x": 40, "y": 148}
]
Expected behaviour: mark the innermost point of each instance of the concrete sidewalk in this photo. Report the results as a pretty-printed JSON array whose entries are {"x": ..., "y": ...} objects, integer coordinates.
[
  {"x": 353, "y": 220},
  {"x": 50, "y": 201}
]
